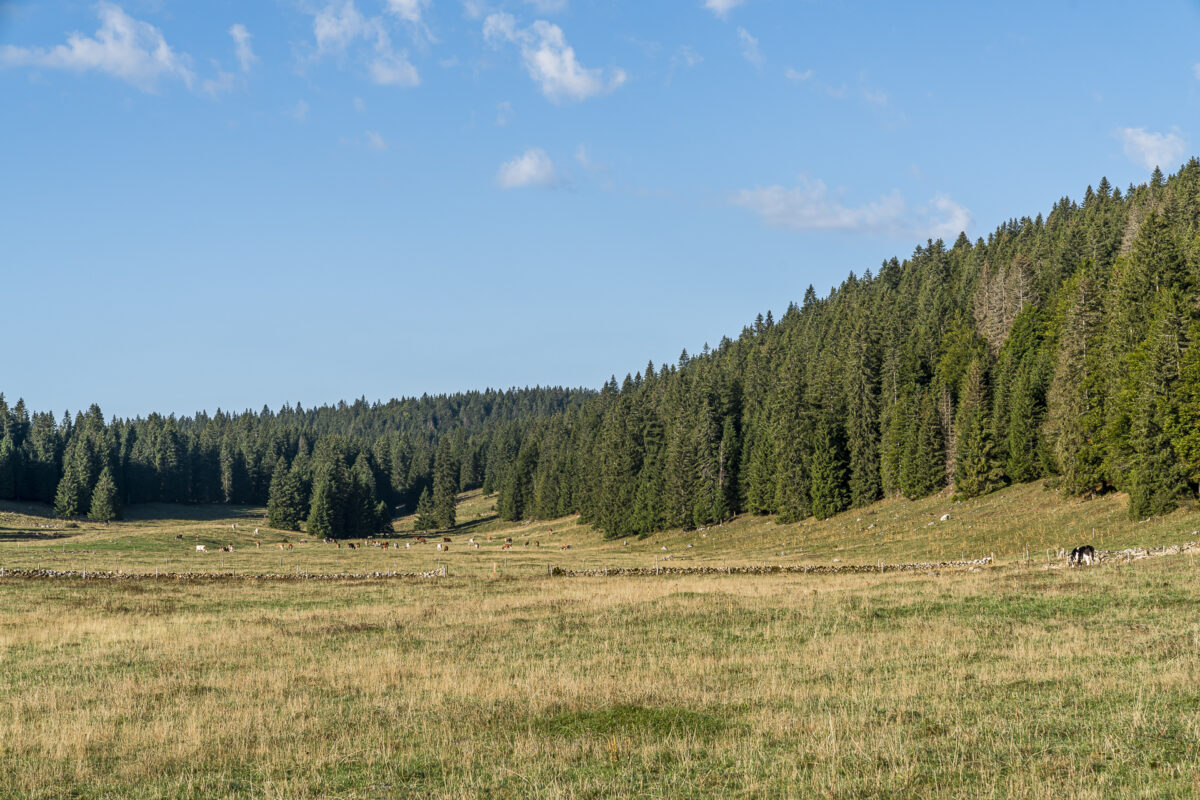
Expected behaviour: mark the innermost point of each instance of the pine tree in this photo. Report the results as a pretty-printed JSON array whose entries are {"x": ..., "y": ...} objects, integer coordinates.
[
  {"x": 1075, "y": 402},
  {"x": 445, "y": 486},
  {"x": 68, "y": 500},
  {"x": 923, "y": 466},
  {"x": 1156, "y": 481},
  {"x": 977, "y": 470},
  {"x": 426, "y": 518},
  {"x": 285, "y": 505},
  {"x": 322, "y": 516},
  {"x": 105, "y": 505},
  {"x": 8, "y": 469},
  {"x": 828, "y": 490}
]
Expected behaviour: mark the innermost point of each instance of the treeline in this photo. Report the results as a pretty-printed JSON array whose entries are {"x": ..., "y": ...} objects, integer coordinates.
[
  {"x": 1064, "y": 346},
  {"x": 343, "y": 469}
]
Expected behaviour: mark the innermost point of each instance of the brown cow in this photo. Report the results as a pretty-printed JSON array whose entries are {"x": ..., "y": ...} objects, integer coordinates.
[
  {"x": 506, "y": 547},
  {"x": 565, "y": 547},
  {"x": 445, "y": 538}
]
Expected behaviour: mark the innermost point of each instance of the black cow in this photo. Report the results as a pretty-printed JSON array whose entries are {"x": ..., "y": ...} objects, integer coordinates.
[{"x": 1084, "y": 555}]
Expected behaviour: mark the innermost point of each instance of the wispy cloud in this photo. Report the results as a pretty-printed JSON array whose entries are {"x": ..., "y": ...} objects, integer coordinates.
[
  {"x": 123, "y": 47},
  {"x": 531, "y": 168},
  {"x": 224, "y": 82},
  {"x": 299, "y": 112},
  {"x": 750, "y": 49},
  {"x": 376, "y": 141},
  {"x": 809, "y": 206},
  {"x": 550, "y": 60},
  {"x": 796, "y": 75},
  {"x": 241, "y": 45},
  {"x": 339, "y": 27},
  {"x": 504, "y": 113},
  {"x": 1196, "y": 70},
  {"x": 1150, "y": 150},
  {"x": 722, "y": 7}
]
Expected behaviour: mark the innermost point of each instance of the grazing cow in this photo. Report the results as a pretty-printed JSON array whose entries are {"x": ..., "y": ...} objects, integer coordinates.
[
  {"x": 536, "y": 543},
  {"x": 476, "y": 545},
  {"x": 257, "y": 545},
  {"x": 408, "y": 545},
  {"x": 506, "y": 547},
  {"x": 443, "y": 546},
  {"x": 508, "y": 540},
  {"x": 281, "y": 547},
  {"x": 227, "y": 548},
  {"x": 1082, "y": 556},
  {"x": 471, "y": 540},
  {"x": 179, "y": 536},
  {"x": 352, "y": 545},
  {"x": 565, "y": 547},
  {"x": 421, "y": 540},
  {"x": 201, "y": 548},
  {"x": 302, "y": 541},
  {"x": 445, "y": 538},
  {"x": 256, "y": 531},
  {"x": 289, "y": 545},
  {"x": 527, "y": 544}
]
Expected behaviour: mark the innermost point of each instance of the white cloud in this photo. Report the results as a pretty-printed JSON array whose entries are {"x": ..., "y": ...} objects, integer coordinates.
[
  {"x": 408, "y": 10},
  {"x": 809, "y": 207},
  {"x": 299, "y": 112},
  {"x": 241, "y": 43},
  {"x": 336, "y": 26},
  {"x": 1149, "y": 149},
  {"x": 531, "y": 168},
  {"x": 1196, "y": 70},
  {"x": 794, "y": 75},
  {"x": 390, "y": 69},
  {"x": 224, "y": 82},
  {"x": 360, "y": 105},
  {"x": 549, "y": 60},
  {"x": 339, "y": 26},
  {"x": 123, "y": 47},
  {"x": 504, "y": 113},
  {"x": 750, "y": 47},
  {"x": 722, "y": 7},
  {"x": 875, "y": 97},
  {"x": 375, "y": 141}
]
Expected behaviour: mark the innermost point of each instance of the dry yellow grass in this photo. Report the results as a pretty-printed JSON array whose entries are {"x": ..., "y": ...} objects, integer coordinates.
[{"x": 1009, "y": 682}]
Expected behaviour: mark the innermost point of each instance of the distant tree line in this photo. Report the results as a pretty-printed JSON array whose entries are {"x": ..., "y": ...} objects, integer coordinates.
[
  {"x": 343, "y": 470},
  {"x": 1064, "y": 347}
]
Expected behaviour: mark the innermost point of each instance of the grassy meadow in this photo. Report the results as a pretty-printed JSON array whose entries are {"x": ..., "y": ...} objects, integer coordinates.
[{"x": 1011, "y": 681}]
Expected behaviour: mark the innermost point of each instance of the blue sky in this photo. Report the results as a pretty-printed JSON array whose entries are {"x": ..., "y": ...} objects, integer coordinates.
[{"x": 243, "y": 203}]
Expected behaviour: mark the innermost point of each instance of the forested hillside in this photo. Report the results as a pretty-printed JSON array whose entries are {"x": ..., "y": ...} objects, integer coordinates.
[
  {"x": 1065, "y": 346},
  {"x": 344, "y": 468}
]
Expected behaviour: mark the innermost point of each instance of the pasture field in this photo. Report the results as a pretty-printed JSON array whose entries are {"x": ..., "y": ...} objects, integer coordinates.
[{"x": 1011, "y": 681}]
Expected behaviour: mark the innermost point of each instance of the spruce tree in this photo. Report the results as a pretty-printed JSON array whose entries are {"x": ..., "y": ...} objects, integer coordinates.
[
  {"x": 977, "y": 470},
  {"x": 285, "y": 505},
  {"x": 828, "y": 489},
  {"x": 445, "y": 486},
  {"x": 426, "y": 519},
  {"x": 105, "y": 505}
]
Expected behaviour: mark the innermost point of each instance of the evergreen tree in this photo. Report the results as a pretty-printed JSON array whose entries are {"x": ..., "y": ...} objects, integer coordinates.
[
  {"x": 977, "y": 470},
  {"x": 426, "y": 518},
  {"x": 827, "y": 482},
  {"x": 445, "y": 486},
  {"x": 105, "y": 505},
  {"x": 285, "y": 504},
  {"x": 8, "y": 469}
]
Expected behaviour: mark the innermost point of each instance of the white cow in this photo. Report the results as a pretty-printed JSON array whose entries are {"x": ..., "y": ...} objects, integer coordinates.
[{"x": 201, "y": 548}]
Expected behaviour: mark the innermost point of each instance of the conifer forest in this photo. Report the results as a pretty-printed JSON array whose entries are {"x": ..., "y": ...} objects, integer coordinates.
[{"x": 1063, "y": 346}]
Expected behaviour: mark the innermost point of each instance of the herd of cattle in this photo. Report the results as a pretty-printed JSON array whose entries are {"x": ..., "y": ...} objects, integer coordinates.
[{"x": 385, "y": 544}]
